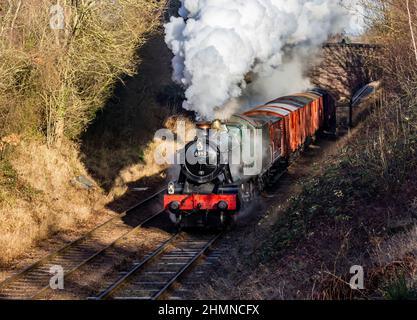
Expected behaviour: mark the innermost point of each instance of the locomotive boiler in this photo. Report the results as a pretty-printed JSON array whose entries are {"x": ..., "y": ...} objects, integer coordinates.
[{"x": 229, "y": 162}]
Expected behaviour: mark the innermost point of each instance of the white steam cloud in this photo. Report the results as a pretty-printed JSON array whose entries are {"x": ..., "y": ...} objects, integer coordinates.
[{"x": 216, "y": 43}]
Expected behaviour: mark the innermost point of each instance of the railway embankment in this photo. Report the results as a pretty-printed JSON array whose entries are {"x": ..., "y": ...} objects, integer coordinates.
[
  {"x": 351, "y": 221},
  {"x": 349, "y": 230},
  {"x": 68, "y": 144}
]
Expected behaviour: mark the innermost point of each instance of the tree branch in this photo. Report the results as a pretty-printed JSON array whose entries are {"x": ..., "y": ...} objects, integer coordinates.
[{"x": 410, "y": 20}]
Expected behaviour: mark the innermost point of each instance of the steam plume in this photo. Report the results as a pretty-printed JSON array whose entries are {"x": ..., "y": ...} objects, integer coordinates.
[{"x": 216, "y": 43}]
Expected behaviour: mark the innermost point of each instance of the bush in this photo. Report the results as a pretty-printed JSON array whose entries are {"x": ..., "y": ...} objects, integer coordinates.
[
  {"x": 398, "y": 289},
  {"x": 52, "y": 81}
]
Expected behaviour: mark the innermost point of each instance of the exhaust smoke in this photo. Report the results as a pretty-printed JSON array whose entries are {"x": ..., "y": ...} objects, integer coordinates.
[{"x": 217, "y": 43}]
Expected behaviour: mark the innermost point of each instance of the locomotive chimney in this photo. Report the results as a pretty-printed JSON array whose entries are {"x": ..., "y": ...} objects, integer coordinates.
[{"x": 204, "y": 127}]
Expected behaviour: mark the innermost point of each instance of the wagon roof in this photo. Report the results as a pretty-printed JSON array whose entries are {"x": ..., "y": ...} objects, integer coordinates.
[
  {"x": 279, "y": 108},
  {"x": 310, "y": 95},
  {"x": 292, "y": 102},
  {"x": 286, "y": 106},
  {"x": 270, "y": 114},
  {"x": 264, "y": 117},
  {"x": 302, "y": 99},
  {"x": 242, "y": 118},
  {"x": 317, "y": 91},
  {"x": 274, "y": 109}
]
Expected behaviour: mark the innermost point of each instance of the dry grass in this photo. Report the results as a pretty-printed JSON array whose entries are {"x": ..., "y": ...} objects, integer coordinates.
[
  {"x": 38, "y": 199},
  {"x": 149, "y": 167}
]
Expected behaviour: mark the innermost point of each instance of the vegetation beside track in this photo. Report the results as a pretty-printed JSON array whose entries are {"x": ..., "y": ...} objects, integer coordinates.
[
  {"x": 60, "y": 63},
  {"x": 360, "y": 211}
]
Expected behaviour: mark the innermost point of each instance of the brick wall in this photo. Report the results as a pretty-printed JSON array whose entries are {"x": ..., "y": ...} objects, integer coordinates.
[{"x": 345, "y": 68}]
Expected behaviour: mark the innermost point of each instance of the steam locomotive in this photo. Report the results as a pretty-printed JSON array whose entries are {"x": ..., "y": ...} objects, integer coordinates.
[{"x": 228, "y": 163}]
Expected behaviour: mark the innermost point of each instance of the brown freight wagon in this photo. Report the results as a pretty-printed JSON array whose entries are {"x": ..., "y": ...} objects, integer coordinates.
[{"x": 294, "y": 119}]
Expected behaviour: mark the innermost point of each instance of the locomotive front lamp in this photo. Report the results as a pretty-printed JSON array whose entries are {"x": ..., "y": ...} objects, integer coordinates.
[
  {"x": 222, "y": 205},
  {"x": 171, "y": 188},
  {"x": 174, "y": 206}
]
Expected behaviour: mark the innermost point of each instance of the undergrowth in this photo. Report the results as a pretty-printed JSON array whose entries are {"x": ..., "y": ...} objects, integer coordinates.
[{"x": 12, "y": 187}]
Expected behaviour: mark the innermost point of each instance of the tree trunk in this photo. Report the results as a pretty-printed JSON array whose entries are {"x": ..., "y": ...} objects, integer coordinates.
[
  {"x": 59, "y": 132},
  {"x": 410, "y": 21}
]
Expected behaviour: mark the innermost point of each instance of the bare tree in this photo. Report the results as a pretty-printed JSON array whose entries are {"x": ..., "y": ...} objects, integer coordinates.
[{"x": 410, "y": 21}]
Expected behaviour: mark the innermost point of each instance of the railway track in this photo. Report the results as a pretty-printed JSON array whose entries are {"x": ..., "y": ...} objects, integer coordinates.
[
  {"x": 155, "y": 275},
  {"x": 35, "y": 280}
]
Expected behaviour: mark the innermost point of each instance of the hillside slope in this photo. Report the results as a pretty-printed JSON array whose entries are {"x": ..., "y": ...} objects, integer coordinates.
[
  {"x": 56, "y": 72},
  {"x": 359, "y": 209}
]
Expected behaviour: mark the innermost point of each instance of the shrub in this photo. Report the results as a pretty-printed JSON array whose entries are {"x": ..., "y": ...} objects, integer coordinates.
[{"x": 52, "y": 81}]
